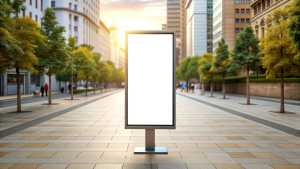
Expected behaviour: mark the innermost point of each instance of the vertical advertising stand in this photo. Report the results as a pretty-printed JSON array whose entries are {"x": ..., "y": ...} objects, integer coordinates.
[{"x": 150, "y": 84}]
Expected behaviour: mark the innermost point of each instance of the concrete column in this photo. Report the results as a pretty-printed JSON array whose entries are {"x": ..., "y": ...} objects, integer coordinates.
[
  {"x": 28, "y": 83},
  {"x": 5, "y": 87}
]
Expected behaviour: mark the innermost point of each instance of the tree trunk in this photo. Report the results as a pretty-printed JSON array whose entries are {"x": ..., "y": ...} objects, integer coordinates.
[
  {"x": 248, "y": 87},
  {"x": 282, "y": 92},
  {"x": 50, "y": 90},
  {"x": 203, "y": 88},
  {"x": 223, "y": 86},
  {"x": 18, "y": 90},
  {"x": 76, "y": 81},
  {"x": 187, "y": 86},
  {"x": 94, "y": 87},
  {"x": 86, "y": 86},
  {"x": 257, "y": 74},
  {"x": 211, "y": 86},
  {"x": 101, "y": 86},
  {"x": 72, "y": 86}
]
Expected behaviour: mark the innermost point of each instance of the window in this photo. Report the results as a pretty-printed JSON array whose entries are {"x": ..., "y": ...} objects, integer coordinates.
[
  {"x": 242, "y": 1},
  {"x": 70, "y": 5},
  {"x": 237, "y": 30},
  {"x": 35, "y": 80},
  {"x": 248, "y": 1},
  {"x": 242, "y": 10},
  {"x": 258, "y": 7},
  {"x": 268, "y": 3},
  {"x": 83, "y": 10},
  {"x": 36, "y": 18},
  {"x": 30, "y": 14},
  {"x": 12, "y": 78},
  {"x": 237, "y": 10},
  {"x": 237, "y": 20},
  {"x": 75, "y": 7},
  {"x": 237, "y": 1},
  {"x": 30, "y": 2},
  {"x": 263, "y": 5},
  {"x": 75, "y": 18},
  {"x": 263, "y": 32},
  {"x": 255, "y": 10},
  {"x": 36, "y": 5},
  {"x": 69, "y": 26},
  {"x": 247, "y": 20},
  {"x": 70, "y": 16},
  {"x": 76, "y": 38},
  {"x": 75, "y": 28},
  {"x": 242, "y": 20},
  {"x": 42, "y": 5},
  {"x": 52, "y": 4},
  {"x": 242, "y": 29},
  {"x": 247, "y": 10}
]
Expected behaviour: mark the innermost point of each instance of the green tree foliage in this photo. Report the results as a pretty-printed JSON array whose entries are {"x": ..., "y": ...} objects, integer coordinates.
[
  {"x": 53, "y": 55},
  {"x": 96, "y": 73},
  {"x": 8, "y": 43},
  {"x": 294, "y": 24},
  {"x": 104, "y": 71},
  {"x": 245, "y": 54},
  {"x": 221, "y": 61},
  {"x": 206, "y": 70},
  {"x": 84, "y": 63},
  {"x": 279, "y": 53}
]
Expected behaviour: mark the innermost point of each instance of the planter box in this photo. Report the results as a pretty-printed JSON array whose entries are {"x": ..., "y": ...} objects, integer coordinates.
[{"x": 36, "y": 93}]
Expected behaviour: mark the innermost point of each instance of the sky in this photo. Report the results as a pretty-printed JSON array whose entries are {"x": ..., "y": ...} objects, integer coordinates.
[{"x": 133, "y": 15}]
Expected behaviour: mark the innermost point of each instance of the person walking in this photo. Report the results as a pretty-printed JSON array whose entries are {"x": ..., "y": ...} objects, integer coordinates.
[
  {"x": 46, "y": 89},
  {"x": 182, "y": 86},
  {"x": 42, "y": 90},
  {"x": 69, "y": 87},
  {"x": 62, "y": 89},
  {"x": 193, "y": 86}
]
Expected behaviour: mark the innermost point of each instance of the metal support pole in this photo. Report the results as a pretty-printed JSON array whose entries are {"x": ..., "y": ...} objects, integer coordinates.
[
  {"x": 150, "y": 145},
  {"x": 150, "y": 139}
]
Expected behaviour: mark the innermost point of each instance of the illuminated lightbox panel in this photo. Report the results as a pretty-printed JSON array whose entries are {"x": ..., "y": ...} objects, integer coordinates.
[{"x": 150, "y": 80}]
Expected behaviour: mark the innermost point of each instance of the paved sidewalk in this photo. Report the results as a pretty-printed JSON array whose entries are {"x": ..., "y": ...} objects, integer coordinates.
[{"x": 92, "y": 136}]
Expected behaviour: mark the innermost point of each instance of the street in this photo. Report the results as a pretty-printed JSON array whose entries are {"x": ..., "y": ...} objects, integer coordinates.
[{"x": 210, "y": 133}]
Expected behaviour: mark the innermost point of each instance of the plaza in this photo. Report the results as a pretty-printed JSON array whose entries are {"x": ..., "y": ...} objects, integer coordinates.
[{"x": 210, "y": 133}]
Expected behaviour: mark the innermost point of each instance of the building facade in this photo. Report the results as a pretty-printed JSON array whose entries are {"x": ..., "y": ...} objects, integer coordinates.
[
  {"x": 260, "y": 10},
  {"x": 104, "y": 38},
  {"x": 229, "y": 19},
  {"x": 115, "y": 45},
  {"x": 196, "y": 25},
  {"x": 81, "y": 20},
  {"x": 176, "y": 18},
  {"x": 122, "y": 59}
]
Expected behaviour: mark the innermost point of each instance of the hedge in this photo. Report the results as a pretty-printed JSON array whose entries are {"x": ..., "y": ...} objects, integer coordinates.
[{"x": 83, "y": 90}]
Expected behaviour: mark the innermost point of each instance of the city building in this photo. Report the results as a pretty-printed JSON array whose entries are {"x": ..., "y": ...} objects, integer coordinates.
[
  {"x": 115, "y": 44},
  {"x": 178, "y": 48},
  {"x": 81, "y": 20},
  {"x": 229, "y": 18},
  {"x": 176, "y": 21},
  {"x": 104, "y": 38},
  {"x": 196, "y": 26},
  {"x": 260, "y": 10},
  {"x": 122, "y": 59}
]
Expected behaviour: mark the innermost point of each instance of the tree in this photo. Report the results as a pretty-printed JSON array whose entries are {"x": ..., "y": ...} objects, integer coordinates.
[
  {"x": 95, "y": 74},
  {"x": 245, "y": 54},
  {"x": 53, "y": 55},
  {"x": 86, "y": 64},
  {"x": 26, "y": 33},
  {"x": 294, "y": 26},
  {"x": 71, "y": 45},
  {"x": 8, "y": 44},
  {"x": 206, "y": 69},
  {"x": 279, "y": 53},
  {"x": 221, "y": 61},
  {"x": 104, "y": 71}
]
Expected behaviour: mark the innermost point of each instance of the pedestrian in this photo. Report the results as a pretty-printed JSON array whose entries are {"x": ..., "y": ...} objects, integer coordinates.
[
  {"x": 193, "y": 86},
  {"x": 46, "y": 89},
  {"x": 42, "y": 90},
  {"x": 62, "y": 89},
  {"x": 69, "y": 87},
  {"x": 182, "y": 86},
  {"x": 178, "y": 85}
]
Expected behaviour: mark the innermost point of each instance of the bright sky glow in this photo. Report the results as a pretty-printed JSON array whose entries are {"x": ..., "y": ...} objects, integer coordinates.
[{"x": 133, "y": 15}]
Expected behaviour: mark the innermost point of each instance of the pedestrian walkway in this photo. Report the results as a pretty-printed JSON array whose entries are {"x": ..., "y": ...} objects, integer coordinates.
[{"x": 92, "y": 136}]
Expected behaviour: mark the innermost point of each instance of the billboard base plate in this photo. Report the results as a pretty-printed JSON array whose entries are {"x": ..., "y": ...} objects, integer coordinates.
[{"x": 157, "y": 150}]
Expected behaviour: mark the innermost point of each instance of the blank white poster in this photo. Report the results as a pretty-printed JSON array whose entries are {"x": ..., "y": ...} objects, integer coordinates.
[{"x": 150, "y": 79}]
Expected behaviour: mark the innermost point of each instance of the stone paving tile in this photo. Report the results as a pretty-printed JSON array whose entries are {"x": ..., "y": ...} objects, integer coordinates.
[
  {"x": 53, "y": 166},
  {"x": 81, "y": 166},
  {"x": 93, "y": 136},
  {"x": 228, "y": 166},
  {"x": 5, "y": 166},
  {"x": 108, "y": 166},
  {"x": 284, "y": 166},
  {"x": 25, "y": 166}
]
